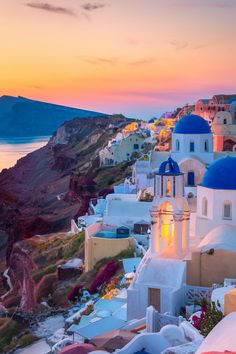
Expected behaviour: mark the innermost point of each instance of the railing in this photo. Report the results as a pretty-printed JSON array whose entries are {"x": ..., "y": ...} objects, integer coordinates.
[
  {"x": 163, "y": 320},
  {"x": 229, "y": 281},
  {"x": 194, "y": 294}
]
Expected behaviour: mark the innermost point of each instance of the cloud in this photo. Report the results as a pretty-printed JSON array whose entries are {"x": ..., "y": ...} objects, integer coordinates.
[
  {"x": 101, "y": 61},
  {"x": 200, "y": 46},
  {"x": 143, "y": 61},
  {"x": 93, "y": 6},
  {"x": 51, "y": 8},
  {"x": 179, "y": 45}
]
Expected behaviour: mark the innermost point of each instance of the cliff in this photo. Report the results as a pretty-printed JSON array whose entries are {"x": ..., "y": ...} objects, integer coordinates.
[
  {"x": 48, "y": 187},
  {"x": 20, "y": 116}
]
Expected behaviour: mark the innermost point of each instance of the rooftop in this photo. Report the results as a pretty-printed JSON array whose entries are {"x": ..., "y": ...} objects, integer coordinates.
[{"x": 192, "y": 124}]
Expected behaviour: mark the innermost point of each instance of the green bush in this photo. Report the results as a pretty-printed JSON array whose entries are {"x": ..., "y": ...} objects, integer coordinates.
[
  {"x": 48, "y": 270},
  {"x": 74, "y": 246},
  {"x": 211, "y": 318},
  {"x": 27, "y": 340},
  {"x": 7, "y": 336}
]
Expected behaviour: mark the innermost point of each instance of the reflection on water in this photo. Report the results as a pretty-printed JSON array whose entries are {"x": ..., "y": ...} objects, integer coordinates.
[{"x": 12, "y": 149}]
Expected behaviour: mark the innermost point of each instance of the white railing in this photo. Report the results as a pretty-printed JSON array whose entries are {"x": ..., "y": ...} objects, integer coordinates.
[
  {"x": 163, "y": 320},
  {"x": 194, "y": 294},
  {"x": 229, "y": 281}
]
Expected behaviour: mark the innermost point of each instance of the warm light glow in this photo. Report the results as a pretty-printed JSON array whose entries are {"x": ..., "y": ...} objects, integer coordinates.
[
  {"x": 167, "y": 224},
  {"x": 115, "y": 59}
]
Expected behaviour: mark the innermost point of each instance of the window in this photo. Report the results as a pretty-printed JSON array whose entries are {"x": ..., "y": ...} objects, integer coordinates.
[
  {"x": 191, "y": 178},
  {"x": 227, "y": 210},
  {"x": 191, "y": 146},
  {"x": 177, "y": 144},
  {"x": 206, "y": 145},
  {"x": 168, "y": 186},
  {"x": 225, "y": 121},
  {"x": 136, "y": 146},
  {"x": 204, "y": 206}
]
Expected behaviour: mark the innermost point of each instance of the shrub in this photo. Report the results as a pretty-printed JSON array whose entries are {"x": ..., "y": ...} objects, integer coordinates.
[
  {"x": 104, "y": 276},
  {"x": 48, "y": 270},
  {"x": 211, "y": 318},
  {"x": 75, "y": 292},
  {"x": 208, "y": 318},
  {"x": 74, "y": 246},
  {"x": 27, "y": 340},
  {"x": 6, "y": 336}
]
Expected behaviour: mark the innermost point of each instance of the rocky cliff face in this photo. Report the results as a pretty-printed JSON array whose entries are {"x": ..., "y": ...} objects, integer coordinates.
[{"x": 51, "y": 185}]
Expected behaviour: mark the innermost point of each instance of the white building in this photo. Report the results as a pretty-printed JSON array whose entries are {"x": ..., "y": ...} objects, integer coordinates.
[
  {"x": 161, "y": 275},
  {"x": 217, "y": 196},
  {"x": 119, "y": 150},
  {"x": 192, "y": 148}
]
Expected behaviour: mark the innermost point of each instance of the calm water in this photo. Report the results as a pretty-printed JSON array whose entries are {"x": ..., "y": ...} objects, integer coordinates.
[{"x": 12, "y": 149}]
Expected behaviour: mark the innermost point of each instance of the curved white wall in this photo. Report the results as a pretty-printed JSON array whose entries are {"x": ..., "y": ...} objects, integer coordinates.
[
  {"x": 198, "y": 140},
  {"x": 215, "y": 203}
]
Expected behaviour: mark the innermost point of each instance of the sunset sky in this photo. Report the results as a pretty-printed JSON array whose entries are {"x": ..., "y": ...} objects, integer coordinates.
[{"x": 136, "y": 57}]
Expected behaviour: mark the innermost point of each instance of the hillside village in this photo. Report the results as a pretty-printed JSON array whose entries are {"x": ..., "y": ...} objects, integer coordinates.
[{"x": 150, "y": 266}]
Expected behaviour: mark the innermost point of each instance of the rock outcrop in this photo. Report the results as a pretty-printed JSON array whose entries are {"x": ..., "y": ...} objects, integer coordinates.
[{"x": 55, "y": 183}]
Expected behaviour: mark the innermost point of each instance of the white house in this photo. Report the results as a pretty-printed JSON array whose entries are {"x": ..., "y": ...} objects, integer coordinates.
[{"x": 119, "y": 150}]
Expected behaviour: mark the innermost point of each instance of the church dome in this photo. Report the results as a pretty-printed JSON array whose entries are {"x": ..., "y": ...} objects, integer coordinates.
[
  {"x": 221, "y": 174},
  {"x": 192, "y": 124},
  {"x": 169, "y": 167}
]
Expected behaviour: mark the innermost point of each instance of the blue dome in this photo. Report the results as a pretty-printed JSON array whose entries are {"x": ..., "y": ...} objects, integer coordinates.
[
  {"x": 169, "y": 167},
  {"x": 192, "y": 124},
  {"x": 221, "y": 174}
]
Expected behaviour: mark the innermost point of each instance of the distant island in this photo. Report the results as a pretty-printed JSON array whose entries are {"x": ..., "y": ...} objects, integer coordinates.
[{"x": 22, "y": 117}]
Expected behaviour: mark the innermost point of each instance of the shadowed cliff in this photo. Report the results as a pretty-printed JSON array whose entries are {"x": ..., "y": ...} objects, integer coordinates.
[{"x": 20, "y": 116}]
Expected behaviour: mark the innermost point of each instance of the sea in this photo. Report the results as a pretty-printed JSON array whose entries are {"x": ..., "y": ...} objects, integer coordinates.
[{"x": 12, "y": 149}]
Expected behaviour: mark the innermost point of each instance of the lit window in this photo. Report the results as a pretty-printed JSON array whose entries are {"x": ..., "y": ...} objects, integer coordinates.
[
  {"x": 204, "y": 206},
  {"x": 168, "y": 186},
  {"x": 227, "y": 210},
  {"x": 191, "y": 146}
]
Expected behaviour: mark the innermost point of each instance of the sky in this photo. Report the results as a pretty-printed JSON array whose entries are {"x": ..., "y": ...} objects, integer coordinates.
[{"x": 136, "y": 57}]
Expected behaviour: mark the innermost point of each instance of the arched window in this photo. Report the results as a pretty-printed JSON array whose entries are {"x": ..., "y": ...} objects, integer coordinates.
[
  {"x": 206, "y": 145},
  {"x": 191, "y": 146},
  {"x": 204, "y": 206},
  {"x": 225, "y": 121},
  {"x": 177, "y": 145},
  {"x": 227, "y": 210},
  {"x": 168, "y": 187}
]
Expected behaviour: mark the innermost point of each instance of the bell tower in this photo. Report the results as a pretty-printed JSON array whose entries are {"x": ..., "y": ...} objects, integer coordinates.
[{"x": 170, "y": 213}]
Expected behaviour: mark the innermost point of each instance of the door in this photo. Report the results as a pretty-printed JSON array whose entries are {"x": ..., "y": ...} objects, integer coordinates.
[
  {"x": 191, "y": 179},
  {"x": 154, "y": 298}
]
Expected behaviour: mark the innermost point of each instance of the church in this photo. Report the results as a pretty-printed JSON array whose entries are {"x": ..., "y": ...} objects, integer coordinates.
[
  {"x": 192, "y": 148},
  {"x": 175, "y": 259}
]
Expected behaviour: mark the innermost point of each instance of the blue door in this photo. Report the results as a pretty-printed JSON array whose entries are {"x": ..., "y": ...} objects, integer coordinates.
[{"x": 191, "y": 181}]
